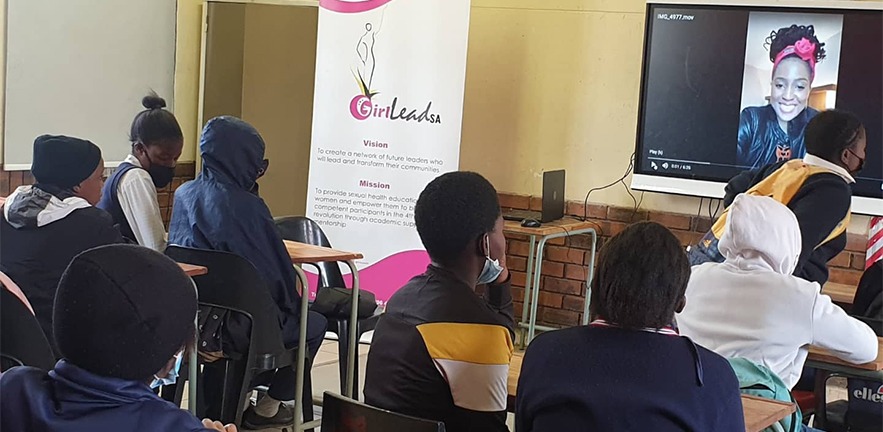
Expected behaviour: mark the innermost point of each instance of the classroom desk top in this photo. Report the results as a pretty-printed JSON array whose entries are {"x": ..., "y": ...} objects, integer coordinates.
[
  {"x": 840, "y": 293},
  {"x": 302, "y": 253},
  {"x": 762, "y": 413},
  {"x": 193, "y": 270},
  {"x": 554, "y": 227},
  {"x": 759, "y": 413},
  {"x": 822, "y": 356}
]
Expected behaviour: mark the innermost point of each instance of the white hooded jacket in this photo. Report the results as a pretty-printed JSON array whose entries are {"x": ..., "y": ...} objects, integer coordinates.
[{"x": 751, "y": 306}]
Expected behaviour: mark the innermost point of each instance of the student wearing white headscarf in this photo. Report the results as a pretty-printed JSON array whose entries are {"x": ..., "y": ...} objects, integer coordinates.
[{"x": 751, "y": 306}]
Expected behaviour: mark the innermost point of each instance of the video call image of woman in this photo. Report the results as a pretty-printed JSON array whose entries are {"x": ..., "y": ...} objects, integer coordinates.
[{"x": 774, "y": 132}]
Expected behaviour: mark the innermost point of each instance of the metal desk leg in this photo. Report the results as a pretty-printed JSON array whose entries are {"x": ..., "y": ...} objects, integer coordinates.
[
  {"x": 525, "y": 307},
  {"x": 535, "y": 295},
  {"x": 821, "y": 408},
  {"x": 302, "y": 354},
  {"x": 192, "y": 361},
  {"x": 349, "y": 389},
  {"x": 589, "y": 279},
  {"x": 194, "y": 370}
]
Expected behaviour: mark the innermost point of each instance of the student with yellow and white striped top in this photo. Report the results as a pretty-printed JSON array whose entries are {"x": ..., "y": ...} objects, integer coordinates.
[{"x": 441, "y": 351}]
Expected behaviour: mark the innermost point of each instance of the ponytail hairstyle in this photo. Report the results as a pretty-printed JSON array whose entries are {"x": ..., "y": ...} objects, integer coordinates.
[{"x": 155, "y": 125}]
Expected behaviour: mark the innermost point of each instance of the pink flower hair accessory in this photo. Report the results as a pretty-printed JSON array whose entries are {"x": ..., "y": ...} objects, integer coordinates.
[{"x": 804, "y": 49}]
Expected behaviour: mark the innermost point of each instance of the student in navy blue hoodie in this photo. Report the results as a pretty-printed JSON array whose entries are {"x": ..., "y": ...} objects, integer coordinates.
[
  {"x": 123, "y": 315},
  {"x": 629, "y": 370}
]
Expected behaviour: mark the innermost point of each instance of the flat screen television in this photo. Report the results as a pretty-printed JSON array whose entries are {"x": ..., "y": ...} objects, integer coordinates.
[{"x": 712, "y": 104}]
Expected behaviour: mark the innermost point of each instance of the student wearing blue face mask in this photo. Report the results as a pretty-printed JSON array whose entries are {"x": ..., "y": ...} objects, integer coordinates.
[
  {"x": 441, "y": 351},
  {"x": 123, "y": 317}
]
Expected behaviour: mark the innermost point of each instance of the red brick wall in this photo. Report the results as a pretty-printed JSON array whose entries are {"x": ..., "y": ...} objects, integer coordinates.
[
  {"x": 566, "y": 261},
  {"x": 9, "y": 180}
]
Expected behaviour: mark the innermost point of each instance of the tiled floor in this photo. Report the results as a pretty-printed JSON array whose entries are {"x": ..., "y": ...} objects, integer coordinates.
[{"x": 326, "y": 373}]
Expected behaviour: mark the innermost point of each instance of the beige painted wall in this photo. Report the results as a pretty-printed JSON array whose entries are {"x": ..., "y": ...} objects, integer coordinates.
[
  {"x": 550, "y": 84},
  {"x": 277, "y": 97}
]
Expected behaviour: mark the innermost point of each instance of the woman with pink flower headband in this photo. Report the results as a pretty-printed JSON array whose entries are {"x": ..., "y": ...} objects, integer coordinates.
[{"x": 774, "y": 132}]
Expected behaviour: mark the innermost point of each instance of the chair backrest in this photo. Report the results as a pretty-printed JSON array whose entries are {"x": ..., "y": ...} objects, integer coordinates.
[
  {"x": 22, "y": 340},
  {"x": 305, "y": 230},
  {"x": 234, "y": 283},
  {"x": 342, "y": 414}
]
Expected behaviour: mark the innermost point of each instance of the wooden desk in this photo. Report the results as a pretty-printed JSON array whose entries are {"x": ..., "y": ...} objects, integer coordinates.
[
  {"x": 759, "y": 413},
  {"x": 561, "y": 228},
  {"x": 193, "y": 270},
  {"x": 827, "y": 364},
  {"x": 555, "y": 227},
  {"x": 818, "y": 355},
  {"x": 301, "y": 253},
  {"x": 840, "y": 293},
  {"x": 762, "y": 413}
]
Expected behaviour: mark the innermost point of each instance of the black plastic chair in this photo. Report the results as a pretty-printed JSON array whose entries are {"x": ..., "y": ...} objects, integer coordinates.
[
  {"x": 305, "y": 230},
  {"x": 342, "y": 414},
  {"x": 22, "y": 342},
  {"x": 234, "y": 284}
]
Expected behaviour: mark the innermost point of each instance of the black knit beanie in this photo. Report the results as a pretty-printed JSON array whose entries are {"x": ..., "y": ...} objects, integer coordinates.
[
  {"x": 123, "y": 311},
  {"x": 64, "y": 161}
]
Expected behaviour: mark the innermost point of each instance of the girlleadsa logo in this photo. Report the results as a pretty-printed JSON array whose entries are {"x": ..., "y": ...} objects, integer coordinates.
[{"x": 364, "y": 106}]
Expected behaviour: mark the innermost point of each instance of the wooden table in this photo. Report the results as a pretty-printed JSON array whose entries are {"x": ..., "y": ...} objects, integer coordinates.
[
  {"x": 759, "y": 413},
  {"x": 193, "y": 270},
  {"x": 840, "y": 293},
  {"x": 561, "y": 228},
  {"x": 827, "y": 364},
  {"x": 301, "y": 253},
  {"x": 818, "y": 355}
]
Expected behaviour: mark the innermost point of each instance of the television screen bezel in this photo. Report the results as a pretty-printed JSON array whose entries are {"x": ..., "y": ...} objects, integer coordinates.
[{"x": 702, "y": 188}]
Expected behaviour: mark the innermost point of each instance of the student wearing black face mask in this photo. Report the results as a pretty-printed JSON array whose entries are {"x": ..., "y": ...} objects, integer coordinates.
[
  {"x": 129, "y": 194},
  {"x": 256, "y": 188},
  {"x": 817, "y": 189}
]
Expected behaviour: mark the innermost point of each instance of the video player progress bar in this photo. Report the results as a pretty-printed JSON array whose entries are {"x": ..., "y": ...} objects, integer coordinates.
[
  {"x": 696, "y": 162},
  {"x": 677, "y": 160}
]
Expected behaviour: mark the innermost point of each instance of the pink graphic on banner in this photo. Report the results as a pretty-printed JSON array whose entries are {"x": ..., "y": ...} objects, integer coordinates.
[
  {"x": 384, "y": 277},
  {"x": 351, "y": 6}
]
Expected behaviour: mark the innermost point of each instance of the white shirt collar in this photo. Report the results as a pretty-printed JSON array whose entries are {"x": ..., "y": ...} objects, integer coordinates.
[
  {"x": 133, "y": 160},
  {"x": 837, "y": 169}
]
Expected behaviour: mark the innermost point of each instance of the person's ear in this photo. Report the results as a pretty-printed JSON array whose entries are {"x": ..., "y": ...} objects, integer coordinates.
[
  {"x": 844, "y": 158},
  {"x": 483, "y": 245},
  {"x": 682, "y": 303}
]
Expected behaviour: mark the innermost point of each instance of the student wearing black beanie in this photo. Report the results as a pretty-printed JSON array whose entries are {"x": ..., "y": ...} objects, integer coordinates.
[
  {"x": 123, "y": 316},
  {"x": 45, "y": 225},
  {"x": 68, "y": 163}
]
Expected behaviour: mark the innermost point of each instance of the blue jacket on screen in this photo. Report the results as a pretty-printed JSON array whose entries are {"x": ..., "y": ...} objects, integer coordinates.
[
  {"x": 70, "y": 399},
  {"x": 218, "y": 211}
]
